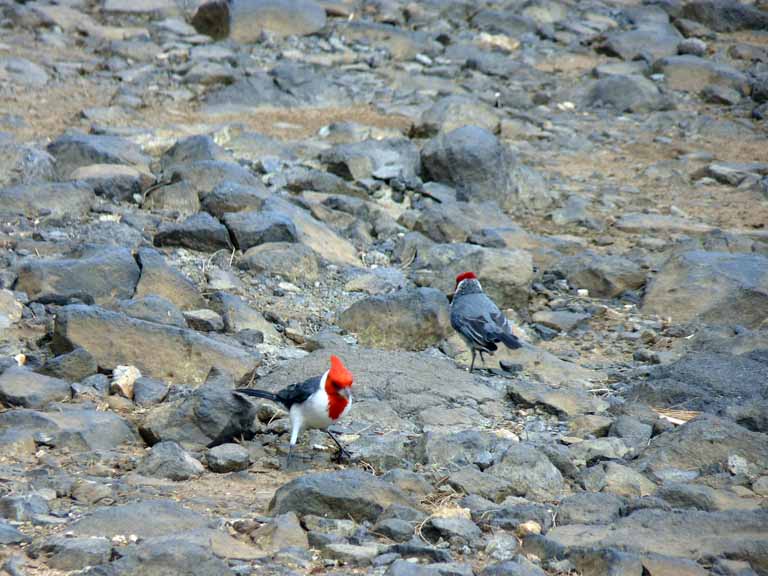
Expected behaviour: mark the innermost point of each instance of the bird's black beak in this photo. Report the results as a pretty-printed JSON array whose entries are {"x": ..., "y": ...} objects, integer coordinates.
[{"x": 450, "y": 297}]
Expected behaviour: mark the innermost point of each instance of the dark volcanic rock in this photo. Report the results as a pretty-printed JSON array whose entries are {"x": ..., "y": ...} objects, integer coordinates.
[
  {"x": 627, "y": 94},
  {"x": 73, "y": 151},
  {"x": 200, "y": 232},
  {"x": 102, "y": 275},
  {"x": 726, "y": 15},
  {"x": 253, "y": 228},
  {"x": 530, "y": 473},
  {"x": 589, "y": 508},
  {"x": 228, "y": 458},
  {"x": 76, "y": 553},
  {"x": 24, "y": 165},
  {"x": 160, "y": 279},
  {"x": 72, "y": 366},
  {"x": 10, "y": 535},
  {"x": 168, "y": 352},
  {"x": 382, "y": 159},
  {"x": 346, "y": 494},
  {"x": 211, "y": 414},
  {"x": 650, "y": 42},
  {"x": 722, "y": 384},
  {"x": 478, "y": 165},
  {"x": 229, "y": 197},
  {"x": 21, "y": 387},
  {"x": 408, "y": 319},
  {"x": 604, "y": 276},
  {"x": 152, "y": 309}
]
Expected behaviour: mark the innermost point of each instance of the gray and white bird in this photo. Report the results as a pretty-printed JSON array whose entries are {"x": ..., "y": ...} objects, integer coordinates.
[{"x": 478, "y": 320}]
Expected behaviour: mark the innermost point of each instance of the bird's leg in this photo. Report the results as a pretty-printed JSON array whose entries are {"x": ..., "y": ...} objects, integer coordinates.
[
  {"x": 290, "y": 456},
  {"x": 472, "y": 365},
  {"x": 482, "y": 358},
  {"x": 342, "y": 451}
]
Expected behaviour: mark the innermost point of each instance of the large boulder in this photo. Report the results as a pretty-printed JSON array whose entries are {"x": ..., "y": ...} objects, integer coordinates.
[
  {"x": 73, "y": 151},
  {"x": 407, "y": 320},
  {"x": 651, "y": 41},
  {"x": 103, "y": 275},
  {"x": 604, "y": 276},
  {"x": 158, "y": 278},
  {"x": 345, "y": 494},
  {"x": 168, "y": 352},
  {"x": 477, "y": 164},
  {"x": 692, "y": 74},
  {"x": 21, "y": 387},
  {"x": 383, "y": 159},
  {"x": 711, "y": 287}
]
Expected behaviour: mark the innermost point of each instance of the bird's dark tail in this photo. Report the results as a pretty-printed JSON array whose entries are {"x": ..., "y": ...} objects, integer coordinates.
[
  {"x": 510, "y": 341},
  {"x": 258, "y": 393}
]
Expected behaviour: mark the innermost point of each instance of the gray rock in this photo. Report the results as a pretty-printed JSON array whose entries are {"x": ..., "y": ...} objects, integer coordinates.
[
  {"x": 614, "y": 478},
  {"x": 560, "y": 320},
  {"x": 76, "y": 553},
  {"x": 244, "y": 21},
  {"x": 239, "y": 316},
  {"x": 692, "y": 74},
  {"x": 456, "y": 530},
  {"x": 158, "y": 350},
  {"x": 686, "y": 534},
  {"x": 160, "y": 279},
  {"x": 604, "y": 276},
  {"x": 693, "y": 46},
  {"x": 589, "y": 508},
  {"x": 10, "y": 535},
  {"x": 204, "y": 320},
  {"x": 153, "y": 309},
  {"x": 294, "y": 262},
  {"x": 73, "y": 151},
  {"x": 55, "y": 198},
  {"x": 21, "y": 164},
  {"x": 404, "y": 568},
  {"x": 177, "y": 196},
  {"x": 169, "y": 460},
  {"x": 211, "y": 414},
  {"x": 702, "y": 443},
  {"x": 22, "y": 71},
  {"x": 346, "y": 494},
  {"x": 200, "y": 232},
  {"x": 650, "y": 42},
  {"x": 504, "y": 274},
  {"x": 627, "y": 94},
  {"x": 476, "y": 163},
  {"x": 204, "y": 176},
  {"x": 395, "y": 529},
  {"x": 378, "y": 281},
  {"x": 635, "y": 433},
  {"x": 250, "y": 229},
  {"x": 714, "y": 94},
  {"x": 229, "y": 197},
  {"x": 73, "y": 366},
  {"x": 470, "y": 480},
  {"x": 725, "y": 15},
  {"x": 561, "y": 401},
  {"x": 170, "y": 555},
  {"x": 592, "y": 450},
  {"x": 114, "y": 181},
  {"x": 21, "y": 387},
  {"x": 712, "y": 287},
  {"x": 520, "y": 566},
  {"x": 408, "y": 319},
  {"x": 75, "y": 428},
  {"x": 382, "y": 159},
  {"x": 101, "y": 275},
  {"x": 228, "y": 458},
  {"x": 22, "y": 508},
  {"x": 146, "y": 519},
  {"x": 531, "y": 473},
  {"x": 148, "y": 391},
  {"x": 452, "y": 112},
  {"x": 192, "y": 149}
]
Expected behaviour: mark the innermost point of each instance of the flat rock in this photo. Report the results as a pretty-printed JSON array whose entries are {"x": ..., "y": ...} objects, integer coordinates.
[
  {"x": 22, "y": 71},
  {"x": 26, "y": 389},
  {"x": 726, "y": 15},
  {"x": 55, "y": 198},
  {"x": 408, "y": 319},
  {"x": 589, "y": 508},
  {"x": 640, "y": 223},
  {"x": 228, "y": 458},
  {"x": 689, "y": 534},
  {"x": 146, "y": 519},
  {"x": 78, "y": 429},
  {"x": 153, "y": 309},
  {"x": 114, "y": 181},
  {"x": 346, "y": 494},
  {"x": 103, "y": 276},
  {"x": 562, "y": 401},
  {"x": 712, "y": 287},
  {"x": 69, "y": 554},
  {"x": 260, "y": 227},
  {"x": 454, "y": 111},
  {"x": 603, "y": 275},
  {"x": 632, "y": 93},
  {"x": 168, "y": 352},
  {"x": 693, "y": 74},
  {"x": 651, "y": 42},
  {"x": 530, "y": 473},
  {"x": 294, "y": 262}
]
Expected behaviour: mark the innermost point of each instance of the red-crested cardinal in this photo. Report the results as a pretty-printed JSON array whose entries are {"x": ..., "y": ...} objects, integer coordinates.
[
  {"x": 314, "y": 403},
  {"x": 477, "y": 319}
]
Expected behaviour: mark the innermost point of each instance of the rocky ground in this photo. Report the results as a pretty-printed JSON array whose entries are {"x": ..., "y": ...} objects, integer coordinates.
[{"x": 194, "y": 198}]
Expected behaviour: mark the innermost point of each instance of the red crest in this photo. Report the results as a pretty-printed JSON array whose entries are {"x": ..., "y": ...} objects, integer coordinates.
[{"x": 465, "y": 276}]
